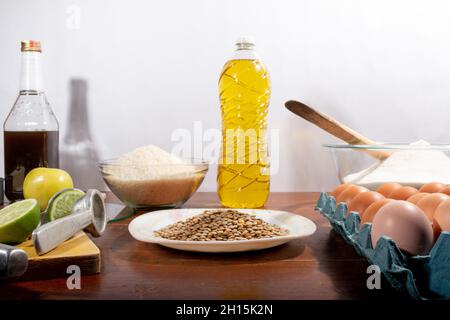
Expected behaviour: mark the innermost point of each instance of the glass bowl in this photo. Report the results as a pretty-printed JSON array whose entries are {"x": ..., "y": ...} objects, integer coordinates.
[
  {"x": 408, "y": 164},
  {"x": 154, "y": 185}
]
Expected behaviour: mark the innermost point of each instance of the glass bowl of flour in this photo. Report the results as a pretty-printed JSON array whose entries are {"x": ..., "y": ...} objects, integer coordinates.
[
  {"x": 149, "y": 177},
  {"x": 408, "y": 164}
]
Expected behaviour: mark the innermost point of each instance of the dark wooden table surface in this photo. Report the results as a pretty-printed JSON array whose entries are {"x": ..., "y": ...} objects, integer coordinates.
[{"x": 322, "y": 266}]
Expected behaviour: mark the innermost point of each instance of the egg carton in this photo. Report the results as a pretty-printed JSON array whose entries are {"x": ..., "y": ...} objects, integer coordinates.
[{"x": 420, "y": 277}]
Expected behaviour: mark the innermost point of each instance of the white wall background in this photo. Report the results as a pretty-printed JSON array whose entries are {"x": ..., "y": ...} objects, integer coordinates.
[{"x": 382, "y": 67}]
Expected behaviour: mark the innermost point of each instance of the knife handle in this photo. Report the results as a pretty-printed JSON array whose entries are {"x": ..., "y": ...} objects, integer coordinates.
[
  {"x": 49, "y": 235},
  {"x": 13, "y": 261}
]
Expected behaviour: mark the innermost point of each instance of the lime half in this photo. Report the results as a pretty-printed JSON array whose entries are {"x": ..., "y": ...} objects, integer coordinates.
[
  {"x": 63, "y": 203},
  {"x": 18, "y": 220}
]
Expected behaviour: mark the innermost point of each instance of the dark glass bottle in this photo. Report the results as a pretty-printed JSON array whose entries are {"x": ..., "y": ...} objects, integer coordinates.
[{"x": 30, "y": 132}]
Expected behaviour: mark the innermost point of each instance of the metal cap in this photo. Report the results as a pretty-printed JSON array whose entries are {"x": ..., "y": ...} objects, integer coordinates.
[{"x": 30, "y": 45}]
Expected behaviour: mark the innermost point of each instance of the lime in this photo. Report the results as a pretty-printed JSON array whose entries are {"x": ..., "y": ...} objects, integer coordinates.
[
  {"x": 63, "y": 203},
  {"x": 18, "y": 220}
]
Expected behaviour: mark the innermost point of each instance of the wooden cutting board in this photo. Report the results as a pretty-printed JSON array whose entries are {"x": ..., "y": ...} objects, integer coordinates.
[{"x": 79, "y": 250}]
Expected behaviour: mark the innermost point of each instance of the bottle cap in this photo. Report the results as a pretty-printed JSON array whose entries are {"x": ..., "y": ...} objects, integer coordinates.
[
  {"x": 245, "y": 40},
  {"x": 30, "y": 45}
]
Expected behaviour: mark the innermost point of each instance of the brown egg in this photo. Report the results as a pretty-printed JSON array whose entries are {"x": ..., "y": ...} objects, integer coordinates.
[
  {"x": 416, "y": 197},
  {"x": 387, "y": 188},
  {"x": 432, "y": 187},
  {"x": 406, "y": 224},
  {"x": 371, "y": 211},
  {"x": 349, "y": 193},
  {"x": 441, "y": 218},
  {"x": 338, "y": 190},
  {"x": 361, "y": 201},
  {"x": 429, "y": 203},
  {"x": 402, "y": 193},
  {"x": 446, "y": 190}
]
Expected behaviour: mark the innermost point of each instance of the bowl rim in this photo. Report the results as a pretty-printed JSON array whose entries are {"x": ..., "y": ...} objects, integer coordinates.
[{"x": 389, "y": 146}]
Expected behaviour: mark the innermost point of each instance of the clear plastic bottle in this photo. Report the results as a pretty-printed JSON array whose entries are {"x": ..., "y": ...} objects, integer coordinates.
[
  {"x": 244, "y": 88},
  {"x": 30, "y": 132}
]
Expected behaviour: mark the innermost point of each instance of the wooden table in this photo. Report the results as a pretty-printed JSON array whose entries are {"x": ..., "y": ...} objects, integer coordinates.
[{"x": 322, "y": 266}]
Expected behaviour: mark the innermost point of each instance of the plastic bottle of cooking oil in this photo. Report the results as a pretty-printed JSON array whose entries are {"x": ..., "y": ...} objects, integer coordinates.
[{"x": 244, "y": 87}]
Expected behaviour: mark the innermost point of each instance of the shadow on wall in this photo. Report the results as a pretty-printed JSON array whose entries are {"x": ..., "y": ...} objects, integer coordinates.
[
  {"x": 315, "y": 169},
  {"x": 78, "y": 152}
]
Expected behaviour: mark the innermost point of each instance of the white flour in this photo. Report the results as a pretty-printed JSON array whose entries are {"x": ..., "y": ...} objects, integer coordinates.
[
  {"x": 150, "y": 176},
  {"x": 148, "y": 162},
  {"x": 407, "y": 167}
]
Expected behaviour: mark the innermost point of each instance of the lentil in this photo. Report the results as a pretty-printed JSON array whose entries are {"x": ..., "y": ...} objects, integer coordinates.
[{"x": 221, "y": 225}]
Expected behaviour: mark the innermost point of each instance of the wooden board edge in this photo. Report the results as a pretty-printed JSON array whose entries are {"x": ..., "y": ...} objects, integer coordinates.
[{"x": 89, "y": 265}]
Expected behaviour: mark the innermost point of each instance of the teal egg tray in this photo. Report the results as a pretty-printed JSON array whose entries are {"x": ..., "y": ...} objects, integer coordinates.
[{"x": 419, "y": 277}]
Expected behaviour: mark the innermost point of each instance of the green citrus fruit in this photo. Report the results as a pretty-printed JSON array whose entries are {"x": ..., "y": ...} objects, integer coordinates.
[
  {"x": 63, "y": 203},
  {"x": 18, "y": 220}
]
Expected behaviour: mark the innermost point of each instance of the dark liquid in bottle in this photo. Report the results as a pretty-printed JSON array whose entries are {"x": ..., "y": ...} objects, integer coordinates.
[{"x": 24, "y": 151}]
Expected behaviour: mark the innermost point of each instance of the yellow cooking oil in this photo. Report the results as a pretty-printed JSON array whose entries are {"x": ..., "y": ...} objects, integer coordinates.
[{"x": 243, "y": 172}]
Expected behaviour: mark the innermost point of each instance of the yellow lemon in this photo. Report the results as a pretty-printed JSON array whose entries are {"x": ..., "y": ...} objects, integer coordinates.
[{"x": 42, "y": 183}]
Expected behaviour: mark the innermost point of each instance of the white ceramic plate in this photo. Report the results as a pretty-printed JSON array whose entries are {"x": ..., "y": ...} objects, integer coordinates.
[{"x": 142, "y": 228}]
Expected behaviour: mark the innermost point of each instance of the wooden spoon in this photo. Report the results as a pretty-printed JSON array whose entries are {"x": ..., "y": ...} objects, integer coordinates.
[{"x": 334, "y": 127}]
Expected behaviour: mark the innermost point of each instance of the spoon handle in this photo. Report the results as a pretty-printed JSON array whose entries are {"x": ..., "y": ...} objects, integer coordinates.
[{"x": 333, "y": 127}]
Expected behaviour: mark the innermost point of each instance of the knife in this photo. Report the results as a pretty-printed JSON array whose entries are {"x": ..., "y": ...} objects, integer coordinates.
[{"x": 13, "y": 261}]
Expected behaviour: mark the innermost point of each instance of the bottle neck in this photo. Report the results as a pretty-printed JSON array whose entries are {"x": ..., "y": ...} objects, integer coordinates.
[
  {"x": 78, "y": 127},
  {"x": 31, "y": 72}
]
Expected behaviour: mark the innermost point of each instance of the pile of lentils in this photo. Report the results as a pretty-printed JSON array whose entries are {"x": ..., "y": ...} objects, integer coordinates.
[{"x": 220, "y": 225}]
